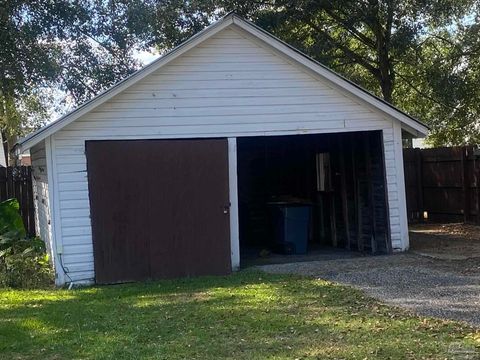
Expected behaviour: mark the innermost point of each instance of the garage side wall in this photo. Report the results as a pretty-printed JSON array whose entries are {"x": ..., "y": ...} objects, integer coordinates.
[{"x": 228, "y": 86}]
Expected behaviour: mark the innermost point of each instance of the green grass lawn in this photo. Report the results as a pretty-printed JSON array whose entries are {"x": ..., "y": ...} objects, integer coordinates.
[{"x": 248, "y": 315}]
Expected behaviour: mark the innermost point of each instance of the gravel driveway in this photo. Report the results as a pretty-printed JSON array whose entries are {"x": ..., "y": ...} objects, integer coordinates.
[{"x": 426, "y": 286}]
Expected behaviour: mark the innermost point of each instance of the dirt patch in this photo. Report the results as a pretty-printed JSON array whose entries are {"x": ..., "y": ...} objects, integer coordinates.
[{"x": 446, "y": 241}]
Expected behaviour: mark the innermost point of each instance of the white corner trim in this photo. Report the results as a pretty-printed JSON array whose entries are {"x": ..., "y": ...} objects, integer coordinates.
[
  {"x": 402, "y": 204},
  {"x": 233, "y": 190},
  {"x": 54, "y": 215}
]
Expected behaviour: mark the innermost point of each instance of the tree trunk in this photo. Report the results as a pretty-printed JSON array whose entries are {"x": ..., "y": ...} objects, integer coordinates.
[
  {"x": 386, "y": 74},
  {"x": 386, "y": 83},
  {"x": 8, "y": 139},
  {"x": 11, "y": 157}
]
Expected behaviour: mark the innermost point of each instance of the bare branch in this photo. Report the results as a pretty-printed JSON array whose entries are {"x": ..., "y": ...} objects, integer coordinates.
[
  {"x": 352, "y": 30},
  {"x": 348, "y": 52},
  {"x": 426, "y": 96}
]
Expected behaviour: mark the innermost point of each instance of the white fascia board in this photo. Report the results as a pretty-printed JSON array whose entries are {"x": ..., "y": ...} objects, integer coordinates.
[{"x": 414, "y": 132}]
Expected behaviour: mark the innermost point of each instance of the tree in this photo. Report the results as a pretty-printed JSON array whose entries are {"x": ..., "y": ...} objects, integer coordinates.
[
  {"x": 387, "y": 46},
  {"x": 452, "y": 73},
  {"x": 407, "y": 52},
  {"x": 79, "y": 47},
  {"x": 25, "y": 59},
  {"x": 364, "y": 39}
]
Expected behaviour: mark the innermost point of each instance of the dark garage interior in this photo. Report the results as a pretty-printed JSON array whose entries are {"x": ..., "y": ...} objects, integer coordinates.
[{"x": 322, "y": 191}]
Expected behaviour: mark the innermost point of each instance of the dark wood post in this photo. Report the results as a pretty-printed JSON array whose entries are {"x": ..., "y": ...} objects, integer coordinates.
[
  {"x": 370, "y": 192},
  {"x": 358, "y": 200},
  {"x": 343, "y": 190},
  {"x": 358, "y": 210}
]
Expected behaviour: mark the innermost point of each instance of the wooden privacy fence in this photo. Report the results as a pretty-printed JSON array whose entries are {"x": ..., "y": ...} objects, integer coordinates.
[
  {"x": 16, "y": 182},
  {"x": 443, "y": 184}
]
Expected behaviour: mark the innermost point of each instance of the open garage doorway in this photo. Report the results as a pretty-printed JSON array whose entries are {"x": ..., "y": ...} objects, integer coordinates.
[{"x": 308, "y": 194}]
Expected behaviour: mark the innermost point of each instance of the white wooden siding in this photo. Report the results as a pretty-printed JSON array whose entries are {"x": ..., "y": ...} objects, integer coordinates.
[
  {"x": 228, "y": 86},
  {"x": 40, "y": 195},
  {"x": 392, "y": 144}
]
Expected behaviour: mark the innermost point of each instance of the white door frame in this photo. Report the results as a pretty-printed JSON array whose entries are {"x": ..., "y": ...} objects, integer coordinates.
[{"x": 233, "y": 190}]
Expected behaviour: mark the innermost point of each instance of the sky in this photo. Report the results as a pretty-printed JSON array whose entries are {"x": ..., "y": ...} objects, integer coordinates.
[
  {"x": 62, "y": 107},
  {"x": 146, "y": 57}
]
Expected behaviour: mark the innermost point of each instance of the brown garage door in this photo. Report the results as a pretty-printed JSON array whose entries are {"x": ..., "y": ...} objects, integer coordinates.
[{"x": 158, "y": 208}]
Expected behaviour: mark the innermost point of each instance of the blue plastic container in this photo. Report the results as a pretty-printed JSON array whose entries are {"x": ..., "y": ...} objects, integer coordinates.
[{"x": 292, "y": 226}]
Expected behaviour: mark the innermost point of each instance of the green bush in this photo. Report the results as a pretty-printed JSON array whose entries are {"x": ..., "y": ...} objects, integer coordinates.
[
  {"x": 10, "y": 219},
  {"x": 23, "y": 261}
]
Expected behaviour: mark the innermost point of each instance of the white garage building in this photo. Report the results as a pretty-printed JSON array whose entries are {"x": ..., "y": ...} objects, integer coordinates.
[{"x": 162, "y": 175}]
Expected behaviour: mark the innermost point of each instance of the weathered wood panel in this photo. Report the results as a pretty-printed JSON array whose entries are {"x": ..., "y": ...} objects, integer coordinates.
[
  {"x": 349, "y": 212},
  {"x": 16, "y": 182},
  {"x": 443, "y": 183}
]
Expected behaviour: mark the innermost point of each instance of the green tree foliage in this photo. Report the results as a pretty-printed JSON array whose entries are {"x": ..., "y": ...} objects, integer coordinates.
[
  {"x": 79, "y": 47},
  {"x": 444, "y": 76},
  {"x": 421, "y": 55},
  {"x": 23, "y": 261},
  {"x": 10, "y": 219},
  {"x": 418, "y": 55}
]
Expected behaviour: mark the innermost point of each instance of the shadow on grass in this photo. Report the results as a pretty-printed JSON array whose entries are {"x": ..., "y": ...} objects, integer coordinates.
[{"x": 246, "y": 315}]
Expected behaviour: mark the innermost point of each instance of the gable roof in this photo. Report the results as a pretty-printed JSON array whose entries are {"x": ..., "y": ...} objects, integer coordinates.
[{"x": 413, "y": 125}]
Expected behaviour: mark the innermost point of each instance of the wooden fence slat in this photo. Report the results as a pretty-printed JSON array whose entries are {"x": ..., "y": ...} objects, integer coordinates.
[
  {"x": 16, "y": 182},
  {"x": 3, "y": 183},
  {"x": 419, "y": 176},
  {"x": 445, "y": 182},
  {"x": 465, "y": 186}
]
